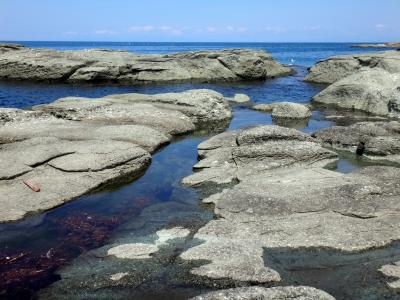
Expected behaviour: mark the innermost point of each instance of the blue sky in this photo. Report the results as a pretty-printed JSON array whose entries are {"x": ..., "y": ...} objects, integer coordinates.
[{"x": 206, "y": 20}]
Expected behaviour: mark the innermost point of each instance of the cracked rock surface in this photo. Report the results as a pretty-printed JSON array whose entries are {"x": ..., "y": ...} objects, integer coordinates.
[
  {"x": 100, "y": 65},
  {"x": 285, "y": 203},
  {"x": 76, "y": 145}
]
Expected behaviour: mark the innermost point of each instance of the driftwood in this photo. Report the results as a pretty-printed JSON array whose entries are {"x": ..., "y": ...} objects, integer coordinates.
[{"x": 32, "y": 185}]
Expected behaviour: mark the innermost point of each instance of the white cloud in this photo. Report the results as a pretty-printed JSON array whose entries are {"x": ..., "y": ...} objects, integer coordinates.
[
  {"x": 235, "y": 29},
  {"x": 379, "y": 26},
  {"x": 145, "y": 28},
  {"x": 241, "y": 29},
  {"x": 230, "y": 28},
  {"x": 211, "y": 29},
  {"x": 275, "y": 29},
  {"x": 171, "y": 30},
  {"x": 71, "y": 33},
  {"x": 105, "y": 32}
]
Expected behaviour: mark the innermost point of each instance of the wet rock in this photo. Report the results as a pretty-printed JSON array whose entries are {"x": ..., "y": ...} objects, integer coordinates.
[
  {"x": 392, "y": 271},
  {"x": 338, "y": 67},
  {"x": 97, "y": 65},
  {"x": 133, "y": 251},
  {"x": 373, "y": 91},
  {"x": 381, "y": 140},
  {"x": 233, "y": 156},
  {"x": 76, "y": 145},
  {"x": 262, "y": 293}
]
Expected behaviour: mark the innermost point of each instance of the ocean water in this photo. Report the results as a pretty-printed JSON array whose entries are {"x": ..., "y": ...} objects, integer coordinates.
[{"x": 160, "y": 186}]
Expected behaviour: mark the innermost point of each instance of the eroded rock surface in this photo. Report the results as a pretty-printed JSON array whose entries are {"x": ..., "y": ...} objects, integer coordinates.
[
  {"x": 261, "y": 293},
  {"x": 287, "y": 201},
  {"x": 381, "y": 140},
  {"x": 374, "y": 91},
  {"x": 76, "y": 145},
  {"x": 338, "y": 67},
  {"x": 99, "y": 65}
]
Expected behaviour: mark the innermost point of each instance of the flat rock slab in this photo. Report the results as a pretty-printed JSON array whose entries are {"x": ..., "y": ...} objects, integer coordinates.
[
  {"x": 373, "y": 91},
  {"x": 97, "y": 65},
  {"x": 392, "y": 271},
  {"x": 338, "y": 67},
  {"x": 285, "y": 110},
  {"x": 77, "y": 145},
  {"x": 381, "y": 140},
  {"x": 262, "y": 293}
]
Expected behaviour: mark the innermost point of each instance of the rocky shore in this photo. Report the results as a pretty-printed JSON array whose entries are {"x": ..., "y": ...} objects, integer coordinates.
[
  {"x": 367, "y": 83},
  {"x": 122, "y": 67},
  {"x": 75, "y": 145}
]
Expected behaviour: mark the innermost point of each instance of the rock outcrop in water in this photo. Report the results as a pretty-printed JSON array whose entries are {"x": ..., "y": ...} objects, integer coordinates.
[
  {"x": 368, "y": 83},
  {"x": 75, "y": 145},
  {"x": 98, "y": 65},
  {"x": 381, "y": 140},
  {"x": 338, "y": 67},
  {"x": 279, "y": 198},
  {"x": 285, "y": 110}
]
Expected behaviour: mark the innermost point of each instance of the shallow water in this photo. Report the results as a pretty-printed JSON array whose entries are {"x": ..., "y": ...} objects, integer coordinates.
[{"x": 50, "y": 240}]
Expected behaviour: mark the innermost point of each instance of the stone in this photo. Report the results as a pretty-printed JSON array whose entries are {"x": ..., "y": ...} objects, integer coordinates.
[
  {"x": 232, "y": 156},
  {"x": 122, "y": 67},
  {"x": 392, "y": 271},
  {"x": 375, "y": 92},
  {"x": 77, "y": 145},
  {"x": 338, "y": 67},
  {"x": 381, "y": 139},
  {"x": 164, "y": 235},
  {"x": 285, "y": 110},
  {"x": 262, "y": 293},
  {"x": 133, "y": 251},
  {"x": 240, "y": 98}
]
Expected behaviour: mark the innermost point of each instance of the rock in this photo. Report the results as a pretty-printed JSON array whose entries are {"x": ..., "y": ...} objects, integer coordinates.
[
  {"x": 119, "y": 276},
  {"x": 262, "y": 293},
  {"x": 295, "y": 208},
  {"x": 392, "y": 271},
  {"x": 338, "y": 67},
  {"x": 384, "y": 45},
  {"x": 123, "y": 67},
  {"x": 381, "y": 139},
  {"x": 373, "y": 91},
  {"x": 10, "y": 47},
  {"x": 285, "y": 110},
  {"x": 165, "y": 235},
  {"x": 133, "y": 251},
  {"x": 232, "y": 156},
  {"x": 76, "y": 145},
  {"x": 240, "y": 98}
]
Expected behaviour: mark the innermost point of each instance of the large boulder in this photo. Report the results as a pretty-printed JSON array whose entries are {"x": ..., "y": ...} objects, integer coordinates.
[
  {"x": 375, "y": 92},
  {"x": 338, "y": 67},
  {"x": 97, "y": 65},
  {"x": 76, "y": 145}
]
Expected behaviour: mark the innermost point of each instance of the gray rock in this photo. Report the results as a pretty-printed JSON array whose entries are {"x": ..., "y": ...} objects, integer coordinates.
[
  {"x": 99, "y": 65},
  {"x": 262, "y": 293},
  {"x": 240, "y": 98},
  {"x": 338, "y": 67},
  {"x": 392, "y": 271},
  {"x": 295, "y": 208},
  {"x": 381, "y": 139},
  {"x": 285, "y": 110},
  {"x": 229, "y": 157},
  {"x": 76, "y": 145},
  {"x": 374, "y": 91}
]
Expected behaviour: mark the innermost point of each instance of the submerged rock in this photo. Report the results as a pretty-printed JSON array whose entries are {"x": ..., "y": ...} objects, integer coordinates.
[
  {"x": 76, "y": 145},
  {"x": 374, "y": 91},
  {"x": 392, "y": 271},
  {"x": 262, "y": 293},
  {"x": 97, "y": 65},
  {"x": 338, "y": 67}
]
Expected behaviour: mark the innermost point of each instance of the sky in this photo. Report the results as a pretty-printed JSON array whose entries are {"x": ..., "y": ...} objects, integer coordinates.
[{"x": 201, "y": 21}]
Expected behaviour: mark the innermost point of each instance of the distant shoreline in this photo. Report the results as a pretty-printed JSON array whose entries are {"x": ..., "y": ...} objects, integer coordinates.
[{"x": 381, "y": 45}]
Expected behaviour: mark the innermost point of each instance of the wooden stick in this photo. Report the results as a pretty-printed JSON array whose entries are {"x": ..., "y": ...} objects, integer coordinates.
[{"x": 32, "y": 185}]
